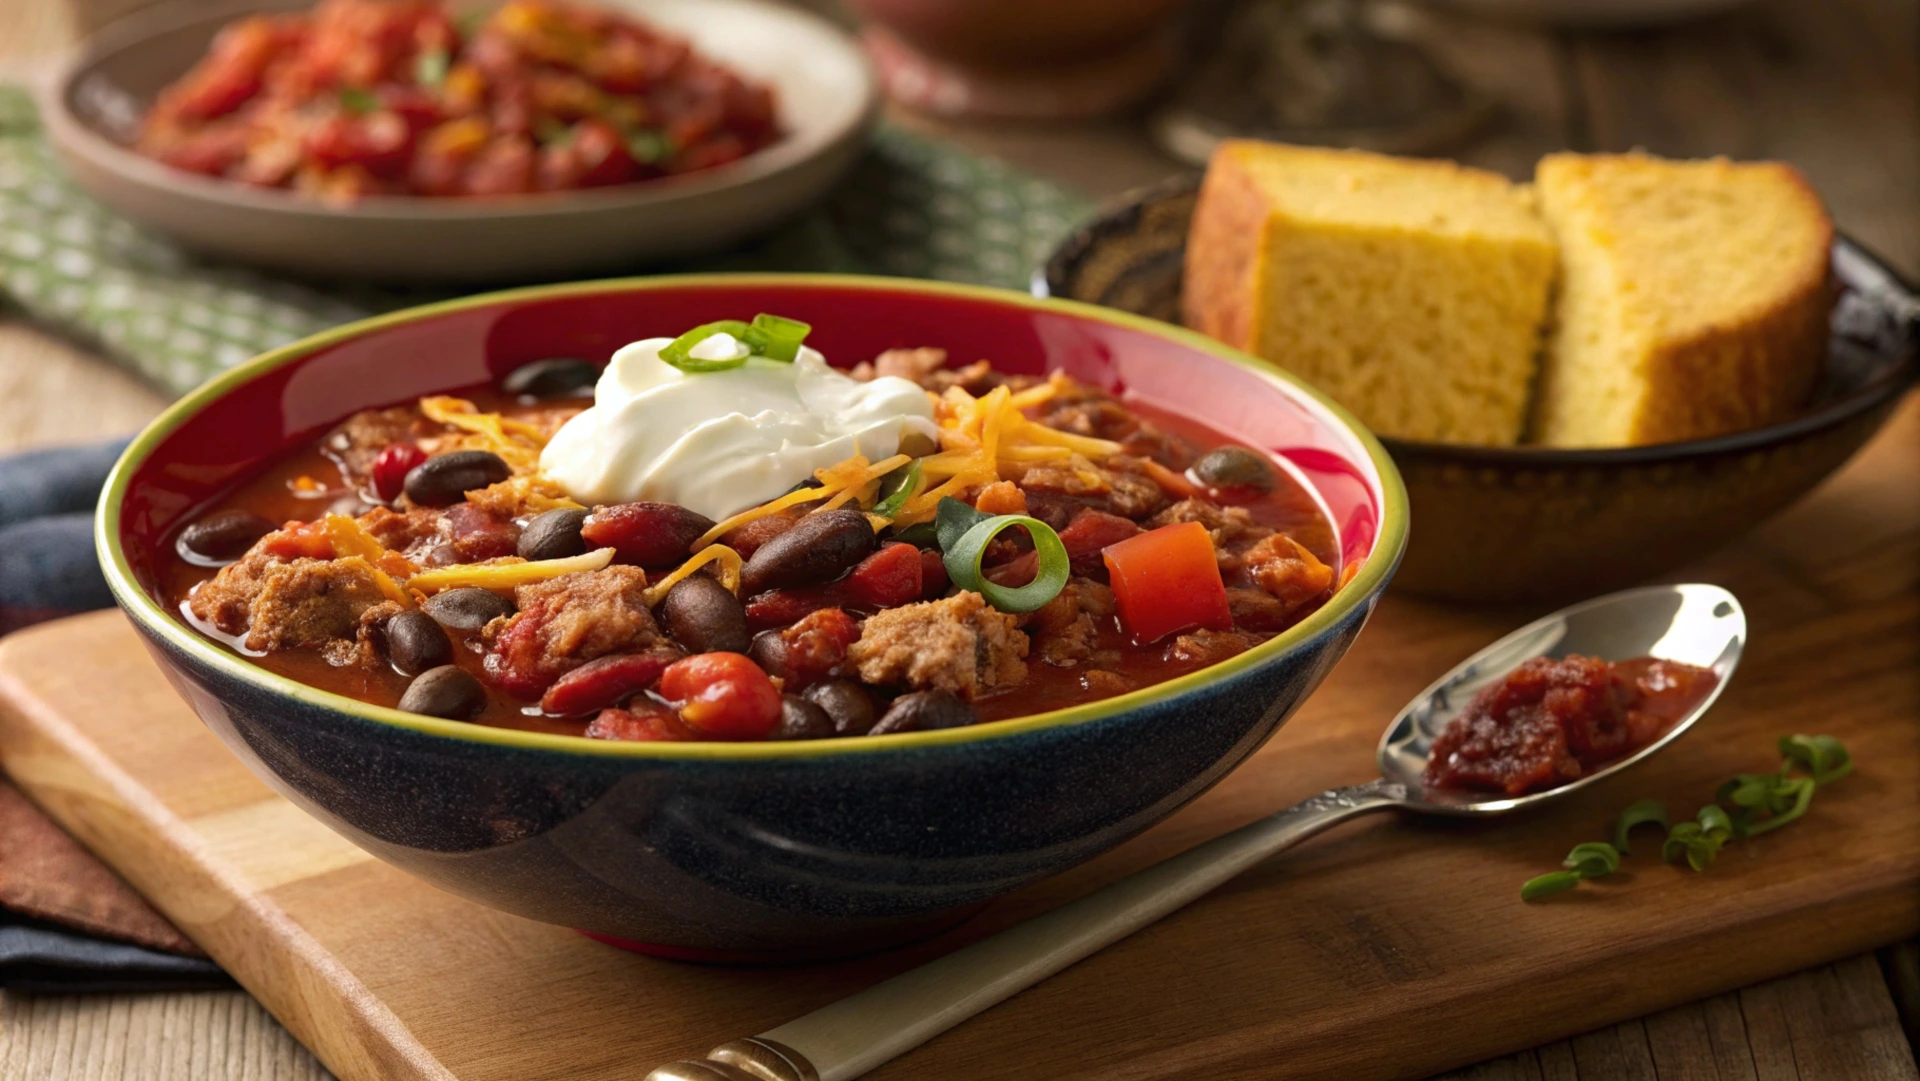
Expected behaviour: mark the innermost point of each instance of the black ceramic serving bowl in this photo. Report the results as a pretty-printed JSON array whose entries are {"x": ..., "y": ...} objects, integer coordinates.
[
  {"x": 739, "y": 851},
  {"x": 1539, "y": 523}
]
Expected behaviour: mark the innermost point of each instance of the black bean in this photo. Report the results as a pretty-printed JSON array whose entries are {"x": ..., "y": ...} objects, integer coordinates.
[
  {"x": 1234, "y": 467},
  {"x": 705, "y": 617},
  {"x": 769, "y": 651},
  {"x": 801, "y": 719},
  {"x": 555, "y": 377},
  {"x": 445, "y": 479},
  {"x": 221, "y": 537},
  {"x": 447, "y": 691},
  {"x": 468, "y": 608},
  {"x": 847, "y": 702},
  {"x": 820, "y": 548},
  {"x": 554, "y": 535},
  {"x": 416, "y": 643},
  {"x": 922, "y": 711}
]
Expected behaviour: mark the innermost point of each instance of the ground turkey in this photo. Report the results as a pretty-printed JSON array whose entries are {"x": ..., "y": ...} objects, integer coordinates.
[
  {"x": 959, "y": 644},
  {"x": 1116, "y": 486},
  {"x": 326, "y": 604},
  {"x": 1066, "y": 630},
  {"x": 1283, "y": 568},
  {"x": 1232, "y": 529},
  {"x": 567, "y": 621}
]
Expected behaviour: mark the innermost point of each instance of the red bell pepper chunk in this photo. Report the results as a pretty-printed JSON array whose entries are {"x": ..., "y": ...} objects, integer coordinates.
[{"x": 1166, "y": 581}]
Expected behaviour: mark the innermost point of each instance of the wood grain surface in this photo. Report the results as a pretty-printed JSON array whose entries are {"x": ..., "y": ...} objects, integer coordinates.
[
  {"x": 1391, "y": 948},
  {"x": 1834, "y": 87}
]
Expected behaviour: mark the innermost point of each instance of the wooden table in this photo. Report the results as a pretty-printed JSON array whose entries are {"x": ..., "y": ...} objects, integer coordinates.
[{"x": 1833, "y": 87}]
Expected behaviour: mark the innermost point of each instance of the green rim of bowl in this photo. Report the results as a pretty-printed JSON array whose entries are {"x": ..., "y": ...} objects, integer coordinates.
[{"x": 1389, "y": 544}]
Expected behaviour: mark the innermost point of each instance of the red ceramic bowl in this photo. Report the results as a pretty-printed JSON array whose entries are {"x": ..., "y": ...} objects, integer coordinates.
[{"x": 737, "y": 850}]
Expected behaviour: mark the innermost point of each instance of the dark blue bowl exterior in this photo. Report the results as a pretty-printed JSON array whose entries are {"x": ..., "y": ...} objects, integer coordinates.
[{"x": 829, "y": 853}]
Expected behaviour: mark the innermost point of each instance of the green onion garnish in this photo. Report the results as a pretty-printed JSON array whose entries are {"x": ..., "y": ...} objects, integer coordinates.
[
  {"x": 769, "y": 336},
  {"x": 952, "y": 519},
  {"x": 430, "y": 67},
  {"x": 649, "y": 147},
  {"x": 1549, "y": 884},
  {"x": 1638, "y": 813},
  {"x": 896, "y": 488},
  {"x": 963, "y": 563},
  {"x": 358, "y": 102},
  {"x": 679, "y": 352},
  {"x": 1824, "y": 757},
  {"x": 1593, "y": 859}
]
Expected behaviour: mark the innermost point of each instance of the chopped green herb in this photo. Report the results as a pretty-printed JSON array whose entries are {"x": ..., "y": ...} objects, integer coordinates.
[
  {"x": 1638, "y": 813},
  {"x": 358, "y": 102},
  {"x": 1549, "y": 884},
  {"x": 896, "y": 488}
]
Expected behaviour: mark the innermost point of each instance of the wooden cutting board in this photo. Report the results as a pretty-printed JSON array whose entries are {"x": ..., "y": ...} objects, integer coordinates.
[{"x": 1388, "y": 948}]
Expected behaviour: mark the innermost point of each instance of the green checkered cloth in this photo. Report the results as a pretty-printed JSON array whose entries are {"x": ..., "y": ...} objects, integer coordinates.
[{"x": 913, "y": 207}]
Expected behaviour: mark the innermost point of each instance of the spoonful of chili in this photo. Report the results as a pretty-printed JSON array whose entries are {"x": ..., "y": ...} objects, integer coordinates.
[{"x": 1691, "y": 630}]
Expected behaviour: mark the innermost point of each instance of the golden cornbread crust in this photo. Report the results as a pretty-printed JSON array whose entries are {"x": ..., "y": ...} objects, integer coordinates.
[
  {"x": 1413, "y": 292},
  {"x": 1694, "y": 299}
]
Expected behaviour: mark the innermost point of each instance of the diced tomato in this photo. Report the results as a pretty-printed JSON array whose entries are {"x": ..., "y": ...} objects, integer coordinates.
[
  {"x": 230, "y": 74},
  {"x": 642, "y": 722},
  {"x": 816, "y": 646},
  {"x": 213, "y": 150},
  {"x": 504, "y": 167},
  {"x": 933, "y": 574},
  {"x": 379, "y": 142},
  {"x": 1166, "y": 581},
  {"x": 299, "y": 540},
  {"x": 724, "y": 695},
  {"x": 887, "y": 578},
  {"x": 602, "y": 683},
  {"x": 389, "y": 474}
]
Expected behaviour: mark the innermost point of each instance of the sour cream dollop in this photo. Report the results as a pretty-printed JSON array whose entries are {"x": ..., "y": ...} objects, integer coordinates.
[{"x": 720, "y": 442}]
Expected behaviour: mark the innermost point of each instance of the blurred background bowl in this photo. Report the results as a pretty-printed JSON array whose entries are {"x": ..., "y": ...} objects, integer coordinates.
[
  {"x": 1543, "y": 524},
  {"x": 826, "y": 96}
]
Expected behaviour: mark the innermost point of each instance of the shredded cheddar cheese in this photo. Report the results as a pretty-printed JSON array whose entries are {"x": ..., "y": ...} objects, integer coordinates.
[
  {"x": 730, "y": 563},
  {"x": 517, "y": 442},
  {"x": 351, "y": 540},
  {"x": 855, "y": 478},
  {"x": 508, "y": 572}
]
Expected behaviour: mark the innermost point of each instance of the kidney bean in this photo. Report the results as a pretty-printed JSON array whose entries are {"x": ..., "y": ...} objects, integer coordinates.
[
  {"x": 445, "y": 479},
  {"x": 606, "y": 681},
  {"x": 801, "y": 719},
  {"x": 847, "y": 703},
  {"x": 705, "y": 617},
  {"x": 1234, "y": 467},
  {"x": 784, "y": 607},
  {"x": 888, "y": 577},
  {"x": 747, "y": 539},
  {"x": 479, "y": 536},
  {"x": 645, "y": 534},
  {"x": 819, "y": 548},
  {"x": 221, "y": 537},
  {"x": 416, "y": 643},
  {"x": 933, "y": 574},
  {"x": 923, "y": 711},
  {"x": 447, "y": 691},
  {"x": 390, "y": 469},
  {"x": 553, "y": 535},
  {"x": 468, "y": 608},
  {"x": 554, "y": 377},
  {"x": 724, "y": 695}
]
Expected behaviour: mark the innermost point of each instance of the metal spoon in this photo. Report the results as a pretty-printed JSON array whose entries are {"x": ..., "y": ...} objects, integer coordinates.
[{"x": 1696, "y": 624}]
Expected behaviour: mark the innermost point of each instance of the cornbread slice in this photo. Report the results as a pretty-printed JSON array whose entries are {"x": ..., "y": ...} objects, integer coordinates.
[
  {"x": 1414, "y": 292},
  {"x": 1693, "y": 298}
]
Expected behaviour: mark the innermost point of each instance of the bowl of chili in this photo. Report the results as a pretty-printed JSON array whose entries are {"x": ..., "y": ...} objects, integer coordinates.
[
  {"x": 399, "y": 143},
  {"x": 723, "y": 845}
]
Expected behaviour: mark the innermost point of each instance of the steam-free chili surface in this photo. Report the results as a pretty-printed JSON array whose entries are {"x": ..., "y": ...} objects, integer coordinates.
[{"x": 1274, "y": 548}]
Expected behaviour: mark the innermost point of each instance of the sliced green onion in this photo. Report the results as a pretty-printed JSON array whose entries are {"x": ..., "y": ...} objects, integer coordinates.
[
  {"x": 430, "y": 67},
  {"x": 896, "y": 488},
  {"x": 952, "y": 519},
  {"x": 963, "y": 563},
  {"x": 1638, "y": 813},
  {"x": 919, "y": 534},
  {"x": 1549, "y": 884},
  {"x": 358, "y": 102},
  {"x": 1714, "y": 822},
  {"x": 1823, "y": 756},
  {"x": 1797, "y": 796},
  {"x": 679, "y": 352},
  {"x": 1594, "y": 859},
  {"x": 776, "y": 337}
]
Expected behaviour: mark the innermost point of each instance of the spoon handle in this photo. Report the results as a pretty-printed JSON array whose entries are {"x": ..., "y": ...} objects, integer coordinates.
[{"x": 849, "y": 1037}]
